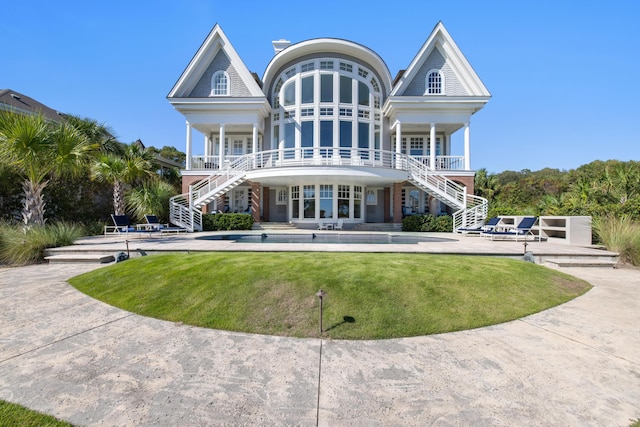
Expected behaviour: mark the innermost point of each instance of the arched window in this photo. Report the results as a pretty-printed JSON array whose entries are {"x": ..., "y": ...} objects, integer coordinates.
[
  {"x": 435, "y": 83},
  {"x": 220, "y": 84}
]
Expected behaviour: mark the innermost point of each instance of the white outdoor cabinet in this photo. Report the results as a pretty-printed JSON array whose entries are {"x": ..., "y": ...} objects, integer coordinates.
[{"x": 572, "y": 230}]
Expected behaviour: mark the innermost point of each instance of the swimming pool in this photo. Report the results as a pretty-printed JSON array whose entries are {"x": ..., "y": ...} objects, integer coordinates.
[{"x": 338, "y": 238}]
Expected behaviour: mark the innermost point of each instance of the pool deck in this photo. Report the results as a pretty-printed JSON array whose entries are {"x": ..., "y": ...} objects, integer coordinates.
[
  {"x": 450, "y": 244},
  {"x": 66, "y": 354}
]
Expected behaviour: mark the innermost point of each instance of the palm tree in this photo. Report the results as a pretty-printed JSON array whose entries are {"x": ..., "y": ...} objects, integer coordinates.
[
  {"x": 151, "y": 198},
  {"x": 130, "y": 168},
  {"x": 38, "y": 150},
  {"x": 97, "y": 133}
]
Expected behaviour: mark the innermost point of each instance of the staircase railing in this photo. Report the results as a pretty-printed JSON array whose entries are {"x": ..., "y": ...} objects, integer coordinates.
[
  {"x": 232, "y": 174},
  {"x": 471, "y": 209},
  {"x": 473, "y": 215},
  {"x": 438, "y": 185},
  {"x": 182, "y": 214}
]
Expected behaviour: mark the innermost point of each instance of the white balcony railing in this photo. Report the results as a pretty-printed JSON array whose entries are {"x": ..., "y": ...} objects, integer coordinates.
[{"x": 325, "y": 156}]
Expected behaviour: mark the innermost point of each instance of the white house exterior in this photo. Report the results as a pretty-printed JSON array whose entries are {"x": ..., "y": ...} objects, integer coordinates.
[{"x": 316, "y": 139}]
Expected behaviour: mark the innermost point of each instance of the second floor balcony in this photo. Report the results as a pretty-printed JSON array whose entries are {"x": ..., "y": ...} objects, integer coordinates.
[{"x": 323, "y": 157}]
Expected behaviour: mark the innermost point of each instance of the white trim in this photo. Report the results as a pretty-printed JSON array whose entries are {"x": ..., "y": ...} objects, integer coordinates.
[
  {"x": 441, "y": 39},
  {"x": 214, "y": 85},
  {"x": 443, "y": 87},
  {"x": 215, "y": 41}
]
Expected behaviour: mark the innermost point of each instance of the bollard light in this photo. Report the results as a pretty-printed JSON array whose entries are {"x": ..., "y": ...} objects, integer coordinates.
[{"x": 321, "y": 294}]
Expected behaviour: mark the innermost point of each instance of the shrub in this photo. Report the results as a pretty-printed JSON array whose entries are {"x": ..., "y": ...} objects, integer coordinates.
[
  {"x": 20, "y": 247},
  {"x": 231, "y": 221},
  {"x": 443, "y": 224},
  {"x": 619, "y": 234},
  {"x": 427, "y": 223}
]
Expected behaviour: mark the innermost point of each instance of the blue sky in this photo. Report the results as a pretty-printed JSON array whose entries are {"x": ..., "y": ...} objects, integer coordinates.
[{"x": 564, "y": 75}]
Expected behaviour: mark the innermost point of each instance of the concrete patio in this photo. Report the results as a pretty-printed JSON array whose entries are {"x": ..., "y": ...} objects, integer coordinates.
[{"x": 63, "y": 353}]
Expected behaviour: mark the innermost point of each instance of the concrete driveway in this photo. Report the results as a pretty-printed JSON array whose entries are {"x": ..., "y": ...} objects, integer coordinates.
[{"x": 68, "y": 355}]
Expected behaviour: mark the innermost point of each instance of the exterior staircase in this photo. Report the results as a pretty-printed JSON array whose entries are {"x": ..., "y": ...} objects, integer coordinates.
[
  {"x": 185, "y": 209},
  {"x": 472, "y": 210}
]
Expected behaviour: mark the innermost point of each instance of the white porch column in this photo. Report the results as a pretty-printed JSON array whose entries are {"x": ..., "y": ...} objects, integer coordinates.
[
  {"x": 254, "y": 146},
  {"x": 398, "y": 144},
  {"x": 207, "y": 148},
  {"x": 432, "y": 147},
  {"x": 188, "y": 147},
  {"x": 222, "y": 147},
  {"x": 254, "y": 139},
  {"x": 467, "y": 149}
]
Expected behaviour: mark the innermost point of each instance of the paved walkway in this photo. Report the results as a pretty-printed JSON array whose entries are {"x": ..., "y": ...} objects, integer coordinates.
[{"x": 66, "y": 354}]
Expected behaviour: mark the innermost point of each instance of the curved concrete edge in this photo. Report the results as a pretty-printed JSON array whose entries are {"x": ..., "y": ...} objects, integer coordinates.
[{"x": 68, "y": 355}]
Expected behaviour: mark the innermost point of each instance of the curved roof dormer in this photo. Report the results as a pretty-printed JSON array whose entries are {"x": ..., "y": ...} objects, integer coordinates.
[{"x": 326, "y": 47}]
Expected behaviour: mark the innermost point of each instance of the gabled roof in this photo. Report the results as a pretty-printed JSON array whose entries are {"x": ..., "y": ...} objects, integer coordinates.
[
  {"x": 12, "y": 100},
  {"x": 441, "y": 40},
  {"x": 215, "y": 41}
]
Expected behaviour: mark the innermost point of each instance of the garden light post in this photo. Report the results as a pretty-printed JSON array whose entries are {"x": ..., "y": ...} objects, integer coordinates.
[{"x": 321, "y": 294}]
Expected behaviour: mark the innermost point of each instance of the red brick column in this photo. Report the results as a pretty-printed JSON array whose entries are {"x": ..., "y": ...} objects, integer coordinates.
[
  {"x": 387, "y": 204},
  {"x": 397, "y": 202},
  {"x": 255, "y": 201},
  {"x": 265, "y": 203}
]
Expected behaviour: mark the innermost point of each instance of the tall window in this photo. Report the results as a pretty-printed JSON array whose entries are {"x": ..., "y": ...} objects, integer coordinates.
[
  {"x": 326, "y": 201},
  {"x": 220, "y": 84},
  {"x": 434, "y": 82},
  {"x": 343, "y": 201},
  {"x": 295, "y": 201},
  {"x": 309, "y": 200},
  {"x": 341, "y": 102}
]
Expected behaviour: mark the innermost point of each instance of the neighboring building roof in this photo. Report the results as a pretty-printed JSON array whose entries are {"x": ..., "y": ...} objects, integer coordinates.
[{"x": 12, "y": 100}]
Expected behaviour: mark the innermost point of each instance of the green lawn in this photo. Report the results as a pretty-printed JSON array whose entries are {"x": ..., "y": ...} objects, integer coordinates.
[
  {"x": 19, "y": 416},
  {"x": 369, "y": 296}
]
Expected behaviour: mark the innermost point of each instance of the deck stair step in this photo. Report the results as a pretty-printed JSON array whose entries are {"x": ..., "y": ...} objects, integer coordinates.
[
  {"x": 79, "y": 258},
  {"x": 378, "y": 226},
  {"x": 582, "y": 262},
  {"x": 273, "y": 226}
]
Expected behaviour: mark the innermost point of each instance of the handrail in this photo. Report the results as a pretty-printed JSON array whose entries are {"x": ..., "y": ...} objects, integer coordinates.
[
  {"x": 181, "y": 213},
  {"x": 471, "y": 208}
]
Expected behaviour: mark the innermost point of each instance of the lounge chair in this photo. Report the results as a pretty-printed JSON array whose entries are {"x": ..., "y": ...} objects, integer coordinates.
[
  {"x": 490, "y": 225},
  {"x": 154, "y": 225},
  {"x": 121, "y": 225},
  {"x": 322, "y": 225},
  {"x": 524, "y": 228},
  {"x": 339, "y": 225}
]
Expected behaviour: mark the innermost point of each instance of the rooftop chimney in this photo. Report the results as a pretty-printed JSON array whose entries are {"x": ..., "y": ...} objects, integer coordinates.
[{"x": 280, "y": 45}]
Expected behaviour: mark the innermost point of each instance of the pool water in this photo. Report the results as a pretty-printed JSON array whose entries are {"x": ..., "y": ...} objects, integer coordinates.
[{"x": 341, "y": 238}]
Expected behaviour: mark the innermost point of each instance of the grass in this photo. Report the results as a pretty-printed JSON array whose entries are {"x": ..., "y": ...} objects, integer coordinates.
[
  {"x": 619, "y": 234},
  {"x": 20, "y": 247},
  {"x": 369, "y": 296},
  {"x": 15, "y": 415}
]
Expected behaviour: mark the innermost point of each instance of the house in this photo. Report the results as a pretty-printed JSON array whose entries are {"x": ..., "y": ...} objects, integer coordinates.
[
  {"x": 10, "y": 100},
  {"x": 328, "y": 134}
]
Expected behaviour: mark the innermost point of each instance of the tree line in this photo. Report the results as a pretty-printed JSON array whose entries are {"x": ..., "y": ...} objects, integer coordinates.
[
  {"x": 608, "y": 188},
  {"x": 75, "y": 170}
]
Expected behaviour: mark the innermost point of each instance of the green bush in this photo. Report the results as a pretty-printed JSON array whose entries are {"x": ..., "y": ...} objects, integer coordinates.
[
  {"x": 427, "y": 223},
  {"x": 619, "y": 234},
  {"x": 222, "y": 222},
  {"x": 20, "y": 247},
  {"x": 443, "y": 224}
]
